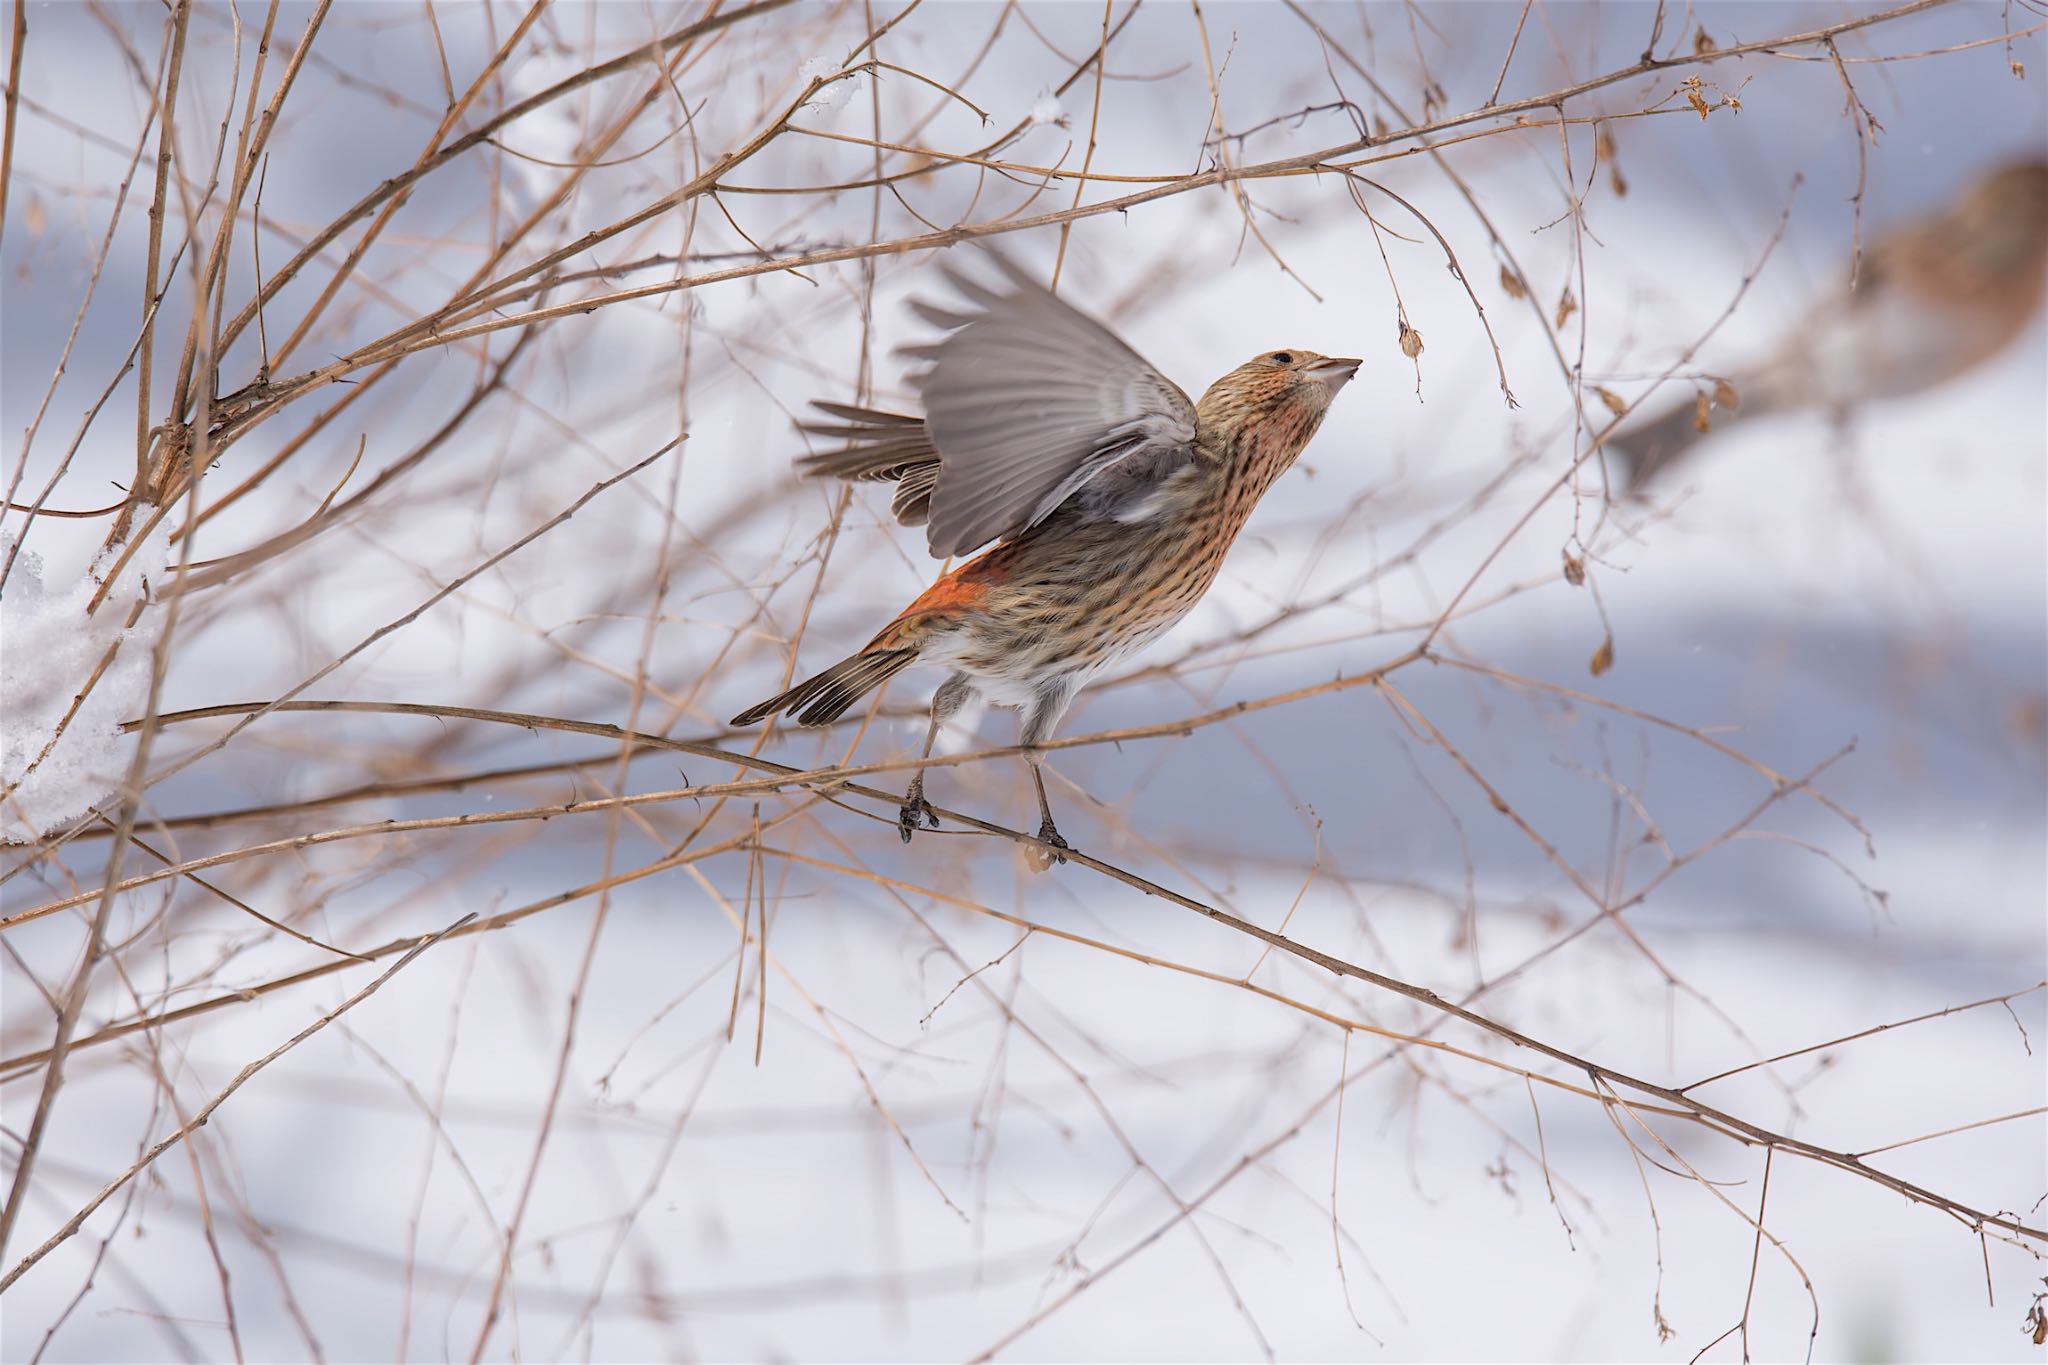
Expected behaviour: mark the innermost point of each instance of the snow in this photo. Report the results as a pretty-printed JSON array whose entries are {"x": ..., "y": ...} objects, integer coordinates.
[
  {"x": 49, "y": 650},
  {"x": 831, "y": 98}
]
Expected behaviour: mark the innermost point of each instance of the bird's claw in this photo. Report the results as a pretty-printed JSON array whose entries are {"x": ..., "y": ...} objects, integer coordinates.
[
  {"x": 1048, "y": 835},
  {"x": 915, "y": 809}
]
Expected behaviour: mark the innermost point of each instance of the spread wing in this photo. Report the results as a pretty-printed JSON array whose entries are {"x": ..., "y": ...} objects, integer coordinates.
[
  {"x": 1027, "y": 401},
  {"x": 880, "y": 446}
]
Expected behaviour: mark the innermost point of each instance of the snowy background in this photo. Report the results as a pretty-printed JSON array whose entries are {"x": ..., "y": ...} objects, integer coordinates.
[{"x": 917, "y": 1132}]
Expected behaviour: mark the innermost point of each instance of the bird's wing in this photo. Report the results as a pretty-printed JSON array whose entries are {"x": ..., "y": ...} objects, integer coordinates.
[{"x": 1026, "y": 401}]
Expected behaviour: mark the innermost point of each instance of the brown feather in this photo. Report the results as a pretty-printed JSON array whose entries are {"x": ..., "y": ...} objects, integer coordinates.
[
  {"x": 824, "y": 698},
  {"x": 1643, "y": 453}
]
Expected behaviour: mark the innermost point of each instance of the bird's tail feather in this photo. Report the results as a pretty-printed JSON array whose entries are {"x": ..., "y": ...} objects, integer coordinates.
[
  {"x": 1643, "y": 453},
  {"x": 824, "y": 698}
]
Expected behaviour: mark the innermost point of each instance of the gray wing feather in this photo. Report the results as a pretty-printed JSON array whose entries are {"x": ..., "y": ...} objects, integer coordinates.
[
  {"x": 879, "y": 445},
  {"x": 1027, "y": 402}
]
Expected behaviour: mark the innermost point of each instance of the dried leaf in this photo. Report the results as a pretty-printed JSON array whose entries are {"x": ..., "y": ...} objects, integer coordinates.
[
  {"x": 1613, "y": 400},
  {"x": 1702, "y": 413},
  {"x": 1603, "y": 657},
  {"x": 1725, "y": 395},
  {"x": 1699, "y": 106},
  {"x": 1702, "y": 44},
  {"x": 1411, "y": 340},
  {"x": 2029, "y": 719},
  {"x": 1566, "y": 306},
  {"x": 1511, "y": 284},
  {"x": 2019, "y": 73},
  {"x": 1574, "y": 569},
  {"x": 1604, "y": 149}
]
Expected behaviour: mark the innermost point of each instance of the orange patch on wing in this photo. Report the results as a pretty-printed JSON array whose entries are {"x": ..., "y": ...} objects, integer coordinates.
[{"x": 959, "y": 591}]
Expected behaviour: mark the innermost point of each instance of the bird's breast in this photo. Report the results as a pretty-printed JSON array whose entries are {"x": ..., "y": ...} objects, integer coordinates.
[{"x": 1079, "y": 592}]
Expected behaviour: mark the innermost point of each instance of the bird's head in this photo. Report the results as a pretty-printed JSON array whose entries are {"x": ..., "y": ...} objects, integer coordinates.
[
  {"x": 2000, "y": 224},
  {"x": 2017, "y": 191},
  {"x": 1291, "y": 388}
]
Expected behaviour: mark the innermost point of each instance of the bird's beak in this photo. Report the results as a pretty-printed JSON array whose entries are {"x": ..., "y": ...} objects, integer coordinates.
[{"x": 1334, "y": 372}]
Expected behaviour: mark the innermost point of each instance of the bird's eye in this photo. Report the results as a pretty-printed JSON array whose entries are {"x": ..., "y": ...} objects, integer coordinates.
[{"x": 1283, "y": 357}]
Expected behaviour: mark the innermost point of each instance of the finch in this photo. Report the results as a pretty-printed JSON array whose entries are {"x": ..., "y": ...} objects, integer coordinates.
[
  {"x": 1111, "y": 497},
  {"x": 1937, "y": 298}
]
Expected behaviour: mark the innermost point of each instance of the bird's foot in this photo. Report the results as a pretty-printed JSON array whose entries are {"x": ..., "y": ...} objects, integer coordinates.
[
  {"x": 915, "y": 809},
  {"x": 1049, "y": 835}
]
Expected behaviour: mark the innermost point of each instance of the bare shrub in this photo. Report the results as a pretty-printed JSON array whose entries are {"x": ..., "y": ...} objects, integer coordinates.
[{"x": 1471, "y": 903}]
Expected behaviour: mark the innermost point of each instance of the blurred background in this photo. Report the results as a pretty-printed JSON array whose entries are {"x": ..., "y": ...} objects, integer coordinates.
[{"x": 1752, "y": 764}]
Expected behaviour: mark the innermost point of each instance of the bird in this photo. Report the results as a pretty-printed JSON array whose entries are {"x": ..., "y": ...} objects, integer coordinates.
[
  {"x": 1935, "y": 298},
  {"x": 1110, "y": 496}
]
